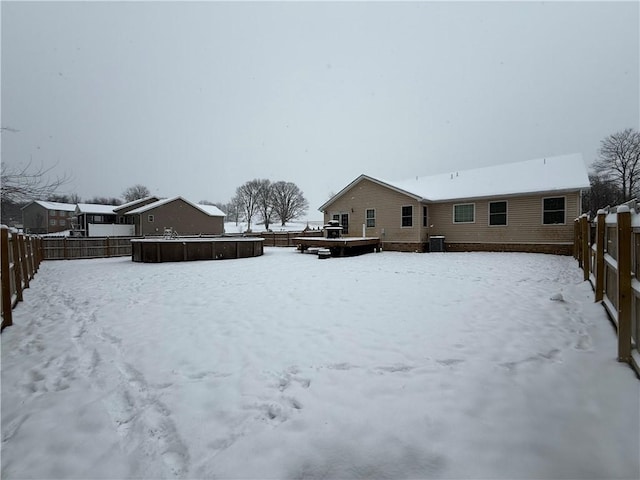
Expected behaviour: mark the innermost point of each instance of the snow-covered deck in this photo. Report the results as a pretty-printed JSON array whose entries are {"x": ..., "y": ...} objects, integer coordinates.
[{"x": 340, "y": 247}]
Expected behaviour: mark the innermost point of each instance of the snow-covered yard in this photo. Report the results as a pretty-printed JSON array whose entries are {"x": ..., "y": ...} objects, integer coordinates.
[{"x": 389, "y": 365}]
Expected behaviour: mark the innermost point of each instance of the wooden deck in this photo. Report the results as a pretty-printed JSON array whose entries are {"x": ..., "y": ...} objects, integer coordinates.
[{"x": 340, "y": 247}]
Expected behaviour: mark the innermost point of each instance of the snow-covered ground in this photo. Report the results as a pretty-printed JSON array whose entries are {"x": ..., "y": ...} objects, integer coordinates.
[
  {"x": 387, "y": 365},
  {"x": 293, "y": 226}
]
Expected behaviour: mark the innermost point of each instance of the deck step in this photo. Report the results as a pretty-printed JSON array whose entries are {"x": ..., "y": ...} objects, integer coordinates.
[{"x": 324, "y": 253}]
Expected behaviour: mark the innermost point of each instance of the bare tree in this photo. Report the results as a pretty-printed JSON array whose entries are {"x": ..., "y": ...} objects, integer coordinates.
[
  {"x": 135, "y": 192},
  {"x": 21, "y": 184},
  {"x": 247, "y": 198},
  {"x": 603, "y": 193},
  {"x": 265, "y": 202},
  {"x": 619, "y": 161},
  {"x": 72, "y": 198},
  {"x": 288, "y": 201},
  {"x": 234, "y": 210},
  {"x": 105, "y": 201}
]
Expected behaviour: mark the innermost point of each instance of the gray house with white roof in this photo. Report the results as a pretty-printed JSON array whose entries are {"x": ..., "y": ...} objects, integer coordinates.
[
  {"x": 41, "y": 217},
  {"x": 521, "y": 206}
]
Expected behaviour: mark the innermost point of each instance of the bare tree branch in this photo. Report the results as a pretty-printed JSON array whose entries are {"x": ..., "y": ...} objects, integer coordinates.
[
  {"x": 136, "y": 192},
  {"x": 619, "y": 161},
  {"x": 21, "y": 184}
]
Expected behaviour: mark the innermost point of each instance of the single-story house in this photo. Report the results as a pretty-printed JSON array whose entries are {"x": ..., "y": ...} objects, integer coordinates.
[
  {"x": 180, "y": 215},
  {"x": 40, "y": 217},
  {"x": 522, "y": 206}
]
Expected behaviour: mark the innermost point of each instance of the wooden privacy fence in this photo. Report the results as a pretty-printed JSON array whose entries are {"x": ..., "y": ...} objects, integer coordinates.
[
  {"x": 285, "y": 239},
  {"x": 67, "y": 248},
  {"x": 608, "y": 251},
  {"x": 20, "y": 257}
]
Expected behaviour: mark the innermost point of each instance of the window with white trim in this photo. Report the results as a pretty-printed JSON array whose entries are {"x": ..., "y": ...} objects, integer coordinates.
[
  {"x": 464, "y": 213},
  {"x": 370, "y": 217},
  {"x": 52, "y": 221},
  {"x": 343, "y": 219},
  {"x": 553, "y": 211},
  {"x": 425, "y": 216},
  {"x": 150, "y": 218},
  {"x": 407, "y": 216},
  {"x": 498, "y": 213}
]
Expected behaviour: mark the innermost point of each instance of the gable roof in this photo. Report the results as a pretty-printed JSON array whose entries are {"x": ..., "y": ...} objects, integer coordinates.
[
  {"x": 209, "y": 210},
  {"x": 560, "y": 173},
  {"x": 371, "y": 179},
  {"x": 95, "y": 208},
  {"x": 67, "y": 207},
  {"x": 135, "y": 202}
]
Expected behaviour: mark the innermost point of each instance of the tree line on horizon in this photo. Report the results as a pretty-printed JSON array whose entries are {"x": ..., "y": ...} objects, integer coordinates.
[
  {"x": 258, "y": 198},
  {"x": 614, "y": 179}
]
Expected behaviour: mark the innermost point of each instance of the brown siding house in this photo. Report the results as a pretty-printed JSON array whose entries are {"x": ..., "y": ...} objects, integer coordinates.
[
  {"x": 40, "y": 217},
  {"x": 182, "y": 216},
  {"x": 524, "y": 206},
  {"x": 121, "y": 210}
]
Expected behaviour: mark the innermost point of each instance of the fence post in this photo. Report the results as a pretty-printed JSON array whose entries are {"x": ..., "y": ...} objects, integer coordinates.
[
  {"x": 17, "y": 269},
  {"x": 107, "y": 250},
  {"x": 584, "y": 229},
  {"x": 624, "y": 284},
  {"x": 23, "y": 260},
  {"x": 64, "y": 247},
  {"x": 7, "y": 318},
  {"x": 576, "y": 240},
  {"x": 29, "y": 242},
  {"x": 599, "y": 263},
  {"x": 40, "y": 251}
]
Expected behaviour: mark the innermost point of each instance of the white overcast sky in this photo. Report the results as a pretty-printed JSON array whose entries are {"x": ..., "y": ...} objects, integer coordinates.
[{"x": 194, "y": 99}]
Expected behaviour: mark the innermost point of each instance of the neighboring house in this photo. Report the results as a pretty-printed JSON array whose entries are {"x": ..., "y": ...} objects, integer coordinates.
[
  {"x": 40, "y": 217},
  {"x": 95, "y": 220},
  {"x": 182, "y": 216},
  {"x": 522, "y": 206},
  {"x": 121, "y": 210}
]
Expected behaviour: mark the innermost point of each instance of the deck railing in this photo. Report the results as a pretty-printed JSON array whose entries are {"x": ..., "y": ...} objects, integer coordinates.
[
  {"x": 20, "y": 257},
  {"x": 608, "y": 251}
]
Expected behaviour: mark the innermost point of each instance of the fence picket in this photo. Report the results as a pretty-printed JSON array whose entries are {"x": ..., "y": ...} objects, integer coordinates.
[
  {"x": 7, "y": 317},
  {"x": 615, "y": 266},
  {"x": 624, "y": 284},
  {"x": 599, "y": 263}
]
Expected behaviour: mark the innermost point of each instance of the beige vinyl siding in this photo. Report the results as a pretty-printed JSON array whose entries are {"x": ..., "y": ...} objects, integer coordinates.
[
  {"x": 524, "y": 221},
  {"x": 388, "y": 205}
]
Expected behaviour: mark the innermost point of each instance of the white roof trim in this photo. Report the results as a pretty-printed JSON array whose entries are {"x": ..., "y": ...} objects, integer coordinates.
[
  {"x": 371, "y": 179},
  {"x": 95, "y": 208},
  {"x": 159, "y": 203},
  {"x": 67, "y": 207}
]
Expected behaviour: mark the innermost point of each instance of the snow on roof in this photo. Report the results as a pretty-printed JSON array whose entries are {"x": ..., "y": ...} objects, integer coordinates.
[
  {"x": 95, "y": 208},
  {"x": 134, "y": 202},
  {"x": 565, "y": 172},
  {"x": 208, "y": 209},
  {"x": 69, "y": 207},
  {"x": 212, "y": 210}
]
